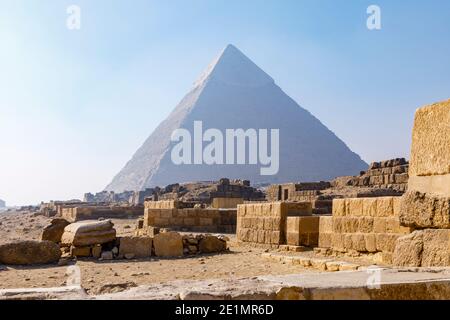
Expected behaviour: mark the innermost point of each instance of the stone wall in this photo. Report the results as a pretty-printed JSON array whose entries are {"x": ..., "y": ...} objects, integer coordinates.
[
  {"x": 79, "y": 213},
  {"x": 307, "y": 191},
  {"x": 302, "y": 231},
  {"x": 389, "y": 174},
  {"x": 426, "y": 205},
  {"x": 191, "y": 219},
  {"x": 226, "y": 203},
  {"x": 265, "y": 223},
  {"x": 365, "y": 225}
]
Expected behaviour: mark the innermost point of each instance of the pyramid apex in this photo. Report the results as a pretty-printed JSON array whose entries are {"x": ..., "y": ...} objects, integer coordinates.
[{"x": 234, "y": 68}]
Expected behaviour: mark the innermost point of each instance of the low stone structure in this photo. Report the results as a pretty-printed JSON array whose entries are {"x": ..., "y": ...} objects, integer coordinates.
[
  {"x": 365, "y": 225},
  {"x": 80, "y": 212},
  {"x": 177, "y": 215},
  {"x": 390, "y": 174},
  {"x": 426, "y": 205},
  {"x": 265, "y": 223}
]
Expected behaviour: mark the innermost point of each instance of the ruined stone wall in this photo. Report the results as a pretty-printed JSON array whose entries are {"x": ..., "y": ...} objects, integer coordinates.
[
  {"x": 306, "y": 191},
  {"x": 365, "y": 225},
  {"x": 389, "y": 174},
  {"x": 191, "y": 219},
  {"x": 426, "y": 205},
  {"x": 79, "y": 213},
  {"x": 265, "y": 223}
]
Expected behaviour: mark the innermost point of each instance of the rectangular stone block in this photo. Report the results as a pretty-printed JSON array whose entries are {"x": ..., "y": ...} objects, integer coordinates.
[
  {"x": 140, "y": 247},
  {"x": 354, "y": 207},
  {"x": 370, "y": 242},
  {"x": 385, "y": 207},
  {"x": 386, "y": 242},
  {"x": 430, "y": 151},
  {"x": 365, "y": 224},
  {"x": 326, "y": 224},
  {"x": 339, "y": 209},
  {"x": 436, "y": 248},
  {"x": 325, "y": 240},
  {"x": 419, "y": 210},
  {"x": 337, "y": 241},
  {"x": 370, "y": 207},
  {"x": 308, "y": 224}
]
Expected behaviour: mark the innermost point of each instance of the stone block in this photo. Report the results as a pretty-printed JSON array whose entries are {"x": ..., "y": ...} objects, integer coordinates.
[
  {"x": 430, "y": 151},
  {"x": 386, "y": 242},
  {"x": 141, "y": 247},
  {"x": 370, "y": 242},
  {"x": 408, "y": 250},
  {"x": 385, "y": 207},
  {"x": 339, "y": 209},
  {"x": 80, "y": 251},
  {"x": 420, "y": 210},
  {"x": 88, "y": 233},
  {"x": 326, "y": 224},
  {"x": 354, "y": 207},
  {"x": 365, "y": 224},
  {"x": 325, "y": 240},
  {"x": 370, "y": 207},
  {"x": 168, "y": 244}
]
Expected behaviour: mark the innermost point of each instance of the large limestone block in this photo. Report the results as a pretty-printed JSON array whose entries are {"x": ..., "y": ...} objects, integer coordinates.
[
  {"x": 54, "y": 231},
  {"x": 87, "y": 233},
  {"x": 326, "y": 224},
  {"x": 168, "y": 244},
  {"x": 424, "y": 248},
  {"x": 421, "y": 210},
  {"x": 430, "y": 151},
  {"x": 29, "y": 252},
  {"x": 339, "y": 209},
  {"x": 436, "y": 248},
  {"x": 140, "y": 247},
  {"x": 408, "y": 250}
]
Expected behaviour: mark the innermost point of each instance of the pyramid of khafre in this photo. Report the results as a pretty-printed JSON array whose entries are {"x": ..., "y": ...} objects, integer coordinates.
[{"x": 234, "y": 93}]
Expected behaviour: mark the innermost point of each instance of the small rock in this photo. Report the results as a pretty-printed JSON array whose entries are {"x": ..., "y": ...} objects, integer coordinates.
[{"x": 107, "y": 255}]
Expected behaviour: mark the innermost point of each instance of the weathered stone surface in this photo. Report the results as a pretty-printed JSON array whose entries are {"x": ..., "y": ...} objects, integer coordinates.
[
  {"x": 168, "y": 244},
  {"x": 54, "y": 231},
  {"x": 89, "y": 233},
  {"x": 140, "y": 247},
  {"x": 210, "y": 244},
  {"x": 436, "y": 248},
  {"x": 29, "y": 252},
  {"x": 408, "y": 250},
  {"x": 424, "y": 248},
  {"x": 430, "y": 152},
  {"x": 425, "y": 210}
]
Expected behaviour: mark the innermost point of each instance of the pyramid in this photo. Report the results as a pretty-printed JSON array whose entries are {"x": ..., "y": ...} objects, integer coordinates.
[{"x": 235, "y": 93}]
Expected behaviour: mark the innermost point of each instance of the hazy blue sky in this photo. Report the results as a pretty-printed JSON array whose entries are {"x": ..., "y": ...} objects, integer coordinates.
[{"x": 75, "y": 105}]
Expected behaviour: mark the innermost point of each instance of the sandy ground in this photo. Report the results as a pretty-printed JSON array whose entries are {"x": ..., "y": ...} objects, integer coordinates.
[{"x": 113, "y": 276}]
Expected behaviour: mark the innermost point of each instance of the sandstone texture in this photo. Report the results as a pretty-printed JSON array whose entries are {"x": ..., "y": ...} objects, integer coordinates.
[
  {"x": 425, "y": 210},
  {"x": 424, "y": 248},
  {"x": 29, "y": 253},
  {"x": 430, "y": 152},
  {"x": 168, "y": 244},
  {"x": 139, "y": 247}
]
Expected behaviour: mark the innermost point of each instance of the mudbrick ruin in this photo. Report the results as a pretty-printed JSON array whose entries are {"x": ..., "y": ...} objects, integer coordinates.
[{"x": 228, "y": 239}]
